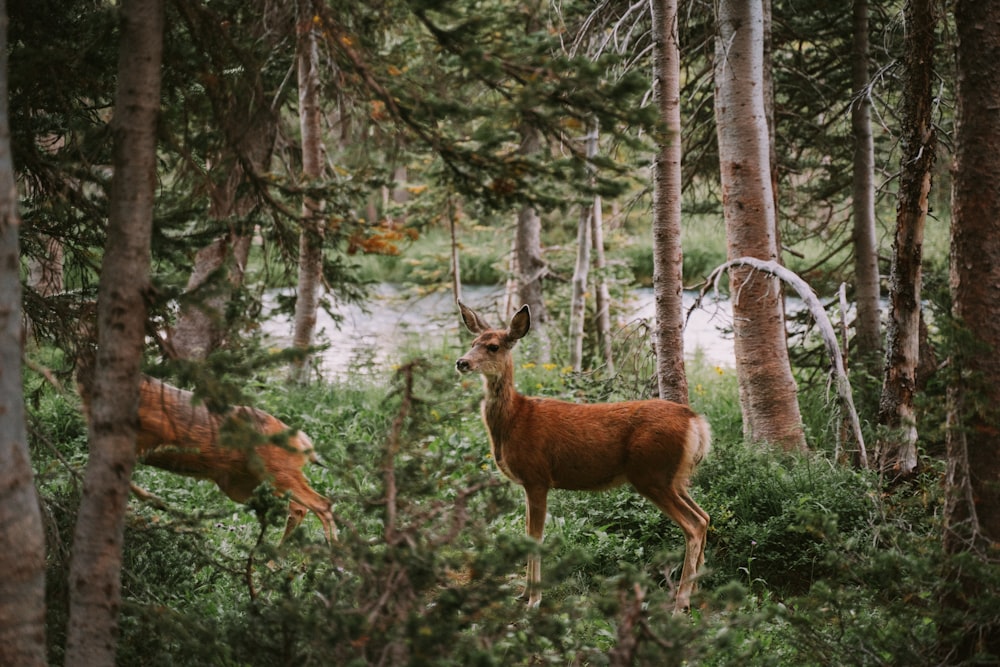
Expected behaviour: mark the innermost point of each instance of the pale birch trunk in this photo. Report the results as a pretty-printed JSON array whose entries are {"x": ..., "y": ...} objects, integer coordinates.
[
  {"x": 867, "y": 325},
  {"x": 668, "y": 261},
  {"x": 95, "y": 568},
  {"x": 581, "y": 272},
  {"x": 311, "y": 237},
  {"x": 531, "y": 268},
  {"x": 22, "y": 541},
  {"x": 896, "y": 451},
  {"x": 767, "y": 390},
  {"x": 578, "y": 300},
  {"x": 602, "y": 303}
]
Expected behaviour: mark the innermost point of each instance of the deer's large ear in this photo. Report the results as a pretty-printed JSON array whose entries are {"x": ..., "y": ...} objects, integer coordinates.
[
  {"x": 519, "y": 324},
  {"x": 472, "y": 320}
]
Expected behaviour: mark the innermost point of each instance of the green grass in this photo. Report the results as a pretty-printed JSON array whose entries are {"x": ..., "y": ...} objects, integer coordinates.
[{"x": 809, "y": 562}]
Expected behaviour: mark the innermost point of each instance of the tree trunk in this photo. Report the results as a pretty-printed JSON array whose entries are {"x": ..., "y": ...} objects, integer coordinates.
[
  {"x": 973, "y": 490},
  {"x": 867, "y": 325},
  {"x": 219, "y": 267},
  {"x": 311, "y": 237},
  {"x": 581, "y": 272},
  {"x": 972, "y": 487},
  {"x": 45, "y": 274},
  {"x": 531, "y": 268},
  {"x": 200, "y": 326},
  {"x": 668, "y": 261},
  {"x": 94, "y": 577},
  {"x": 22, "y": 542},
  {"x": 768, "y": 393},
  {"x": 399, "y": 195},
  {"x": 602, "y": 303},
  {"x": 454, "y": 214},
  {"x": 897, "y": 448}
]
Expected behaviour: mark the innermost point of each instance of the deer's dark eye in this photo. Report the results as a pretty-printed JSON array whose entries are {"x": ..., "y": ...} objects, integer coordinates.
[{"x": 493, "y": 347}]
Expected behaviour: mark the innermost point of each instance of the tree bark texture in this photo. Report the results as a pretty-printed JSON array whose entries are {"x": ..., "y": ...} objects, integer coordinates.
[
  {"x": 972, "y": 484},
  {"x": 897, "y": 447},
  {"x": 578, "y": 300},
  {"x": 768, "y": 393},
  {"x": 602, "y": 302},
  {"x": 22, "y": 541},
  {"x": 581, "y": 272},
  {"x": 973, "y": 438},
  {"x": 95, "y": 568},
  {"x": 867, "y": 324},
  {"x": 249, "y": 128},
  {"x": 217, "y": 269},
  {"x": 311, "y": 236},
  {"x": 668, "y": 264},
  {"x": 531, "y": 267}
]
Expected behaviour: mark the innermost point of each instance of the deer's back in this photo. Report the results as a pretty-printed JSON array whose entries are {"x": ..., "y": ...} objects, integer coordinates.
[
  {"x": 592, "y": 446},
  {"x": 185, "y": 437}
]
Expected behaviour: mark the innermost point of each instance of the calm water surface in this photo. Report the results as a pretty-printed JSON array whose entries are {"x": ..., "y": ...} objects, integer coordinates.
[{"x": 369, "y": 337}]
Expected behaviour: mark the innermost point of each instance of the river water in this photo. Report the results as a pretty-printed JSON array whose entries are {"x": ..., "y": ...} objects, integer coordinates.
[{"x": 370, "y": 336}]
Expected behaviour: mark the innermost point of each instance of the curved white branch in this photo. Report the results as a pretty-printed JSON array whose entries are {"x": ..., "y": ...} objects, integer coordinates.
[{"x": 826, "y": 330}]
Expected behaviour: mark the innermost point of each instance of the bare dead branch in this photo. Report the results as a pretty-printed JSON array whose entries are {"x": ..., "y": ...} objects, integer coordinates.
[{"x": 823, "y": 323}]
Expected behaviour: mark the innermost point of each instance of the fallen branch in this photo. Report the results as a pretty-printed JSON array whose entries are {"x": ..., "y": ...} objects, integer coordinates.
[{"x": 826, "y": 330}]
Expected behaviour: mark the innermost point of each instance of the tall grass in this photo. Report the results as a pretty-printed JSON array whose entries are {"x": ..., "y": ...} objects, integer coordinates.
[{"x": 809, "y": 562}]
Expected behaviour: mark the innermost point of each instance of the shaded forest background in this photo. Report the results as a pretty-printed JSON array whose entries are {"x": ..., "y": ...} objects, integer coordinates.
[{"x": 329, "y": 147}]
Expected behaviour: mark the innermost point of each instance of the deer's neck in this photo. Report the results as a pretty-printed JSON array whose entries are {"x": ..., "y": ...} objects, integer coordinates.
[{"x": 499, "y": 410}]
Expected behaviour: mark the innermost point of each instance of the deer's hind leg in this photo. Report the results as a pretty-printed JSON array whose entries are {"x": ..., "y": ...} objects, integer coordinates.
[{"x": 693, "y": 521}]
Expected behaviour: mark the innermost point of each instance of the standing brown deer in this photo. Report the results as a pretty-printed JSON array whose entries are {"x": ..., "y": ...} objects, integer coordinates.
[
  {"x": 180, "y": 435},
  {"x": 545, "y": 444}
]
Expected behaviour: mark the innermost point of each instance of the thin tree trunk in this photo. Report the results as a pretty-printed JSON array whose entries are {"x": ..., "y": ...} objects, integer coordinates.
[
  {"x": 897, "y": 448},
  {"x": 768, "y": 393},
  {"x": 531, "y": 268},
  {"x": 867, "y": 326},
  {"x": 578, "y": 300},
  {"x": 250, "y": 130},
  {"x": 603, "y": 297},
  {"x": 311, "y": 236},
  {"x": 400, "y": 195},
  {"x": 668, "y": 261},
  {"x": 95, "y": 569},
  {"x": 581, "y": 272},
  {"x": 22, "y": 541},
  {"x": 454, "y": 212}
]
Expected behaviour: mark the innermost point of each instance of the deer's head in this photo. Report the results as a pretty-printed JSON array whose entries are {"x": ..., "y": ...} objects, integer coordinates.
[{"x": 490, "y": 352}]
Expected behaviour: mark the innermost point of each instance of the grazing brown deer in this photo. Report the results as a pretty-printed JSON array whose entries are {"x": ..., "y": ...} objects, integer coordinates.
[
  {"x": 545, "y": 444},
  {"x": 180, "y": 435}
]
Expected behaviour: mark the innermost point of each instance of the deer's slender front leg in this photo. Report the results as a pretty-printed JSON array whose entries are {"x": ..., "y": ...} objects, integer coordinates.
[{"x": 536, "y": 500}]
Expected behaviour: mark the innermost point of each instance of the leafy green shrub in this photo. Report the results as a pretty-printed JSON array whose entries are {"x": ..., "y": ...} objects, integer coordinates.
[
  {"x": 808, "y": 563},
  {"x": 775, "y": 516}
]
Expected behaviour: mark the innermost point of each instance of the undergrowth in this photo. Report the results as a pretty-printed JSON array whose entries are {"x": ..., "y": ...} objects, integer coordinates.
[{"x": 809, "y": 562}]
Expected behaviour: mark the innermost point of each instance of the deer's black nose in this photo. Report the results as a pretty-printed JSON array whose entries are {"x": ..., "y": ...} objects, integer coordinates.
[{"x": 462, "y": 365}]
